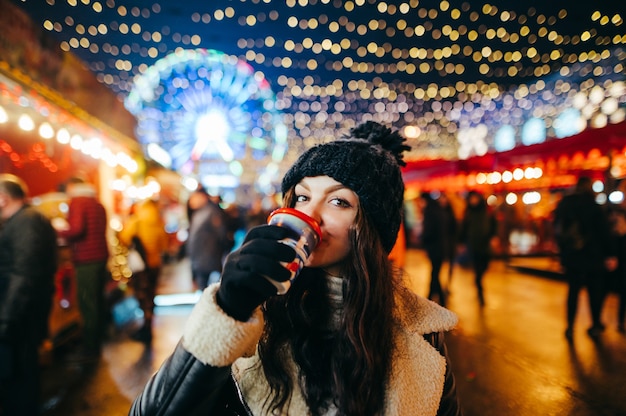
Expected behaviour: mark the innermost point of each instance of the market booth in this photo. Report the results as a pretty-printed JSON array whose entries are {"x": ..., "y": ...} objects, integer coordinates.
[
  {"x": 58, "y": 120},
  {"x": 524, "y": 184},
  {"x": 45, "y": 140}
]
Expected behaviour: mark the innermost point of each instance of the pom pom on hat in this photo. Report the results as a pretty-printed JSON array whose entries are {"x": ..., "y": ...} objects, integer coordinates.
[{"x": 368, "y": 162}]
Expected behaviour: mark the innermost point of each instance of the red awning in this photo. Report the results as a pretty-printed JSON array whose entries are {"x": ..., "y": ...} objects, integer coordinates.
[{"x": 605, "y": 140}]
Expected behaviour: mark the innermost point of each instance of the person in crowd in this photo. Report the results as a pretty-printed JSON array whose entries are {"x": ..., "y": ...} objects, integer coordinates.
[
  {"x": 478, "y": 227},
  {"x": 235, "y": 225},
  {"x": 86, "y": 233},
  {"x": 28, "y": 262},
  {"x": 347, "y": 338},
  {"x": 450, "y": 231},
  {"x": 208, "y": 240},
  {"x": 617, "y": 217},
  {"x": 582, "y": 234},
  {"x": 433, "y": 242},
  {"x": 145, "y": 229},
  {"x": 256, "y": 213}
]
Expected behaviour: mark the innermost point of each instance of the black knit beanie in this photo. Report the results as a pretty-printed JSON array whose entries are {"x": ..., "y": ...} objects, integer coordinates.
[{"x": 368, "y": 162}]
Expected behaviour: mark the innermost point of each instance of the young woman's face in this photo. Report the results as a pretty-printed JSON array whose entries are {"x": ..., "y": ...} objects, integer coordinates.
[{"x": 334, "y": 207}]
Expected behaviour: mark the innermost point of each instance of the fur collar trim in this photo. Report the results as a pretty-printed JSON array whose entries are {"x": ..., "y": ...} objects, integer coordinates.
[{"x": 215, "y": 338}]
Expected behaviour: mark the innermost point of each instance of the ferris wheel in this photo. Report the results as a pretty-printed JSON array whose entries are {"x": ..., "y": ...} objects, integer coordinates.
[{"x": 208, "y": 114}]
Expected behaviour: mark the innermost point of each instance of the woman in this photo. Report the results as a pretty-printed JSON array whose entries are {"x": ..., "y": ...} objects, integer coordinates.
[{"x": 347, "y": 338}]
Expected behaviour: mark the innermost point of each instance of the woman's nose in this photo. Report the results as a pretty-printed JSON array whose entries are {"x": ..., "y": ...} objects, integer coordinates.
[{"x": 311, "y": 211}]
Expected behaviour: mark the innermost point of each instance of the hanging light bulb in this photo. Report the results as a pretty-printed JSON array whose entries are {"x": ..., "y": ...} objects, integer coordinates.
[
  {"x": 4, "y": 117},
  {"x": 63, "y": 136},
  {"x": 26, "y": 123},
  {"x": 46, "y": 131}
]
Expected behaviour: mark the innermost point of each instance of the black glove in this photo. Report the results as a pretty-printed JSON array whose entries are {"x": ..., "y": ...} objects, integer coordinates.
[{"x": 243, "y": 287}]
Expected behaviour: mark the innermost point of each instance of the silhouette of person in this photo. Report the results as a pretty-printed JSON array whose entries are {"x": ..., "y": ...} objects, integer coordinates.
[
  {"x": 208, "y": 241},
  {"x": 28, "y": 262},
  {"x": 450, "y": 231},
  {"x": 86, "y": 233},
  {"x": 146, "y": 225},
  {"x": 478, "y": 227},
  {"x": 617, "y": 217},
  {"x": 433, "y": 241},
  {"x": 582, "y": 234}
]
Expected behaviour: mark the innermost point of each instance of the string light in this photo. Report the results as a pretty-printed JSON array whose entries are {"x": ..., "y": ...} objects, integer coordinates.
[
  {"x": 18, "y": 106},
  {"x": 449, "y": 71}
]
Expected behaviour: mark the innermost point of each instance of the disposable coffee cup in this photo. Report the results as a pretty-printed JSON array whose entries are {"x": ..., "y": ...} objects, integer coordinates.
[{"x": 305, "y": 236}]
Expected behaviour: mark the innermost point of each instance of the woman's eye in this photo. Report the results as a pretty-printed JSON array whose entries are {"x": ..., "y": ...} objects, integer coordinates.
[
  {"x": 340, "y": 202},
  {"x": 301, "y": 198}
]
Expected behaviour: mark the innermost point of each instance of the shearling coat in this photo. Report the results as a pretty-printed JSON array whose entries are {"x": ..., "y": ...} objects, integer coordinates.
[{"x": 227, "y": 349}]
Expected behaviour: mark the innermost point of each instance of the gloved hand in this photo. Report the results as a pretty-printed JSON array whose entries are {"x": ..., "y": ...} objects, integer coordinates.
[{"x": 243, "y": 286}]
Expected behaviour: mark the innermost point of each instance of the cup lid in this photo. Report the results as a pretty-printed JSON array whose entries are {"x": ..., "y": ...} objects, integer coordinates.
[{"x": 301, "y": 215}]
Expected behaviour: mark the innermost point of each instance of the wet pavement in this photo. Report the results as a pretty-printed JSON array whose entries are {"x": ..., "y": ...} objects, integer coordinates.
[{"x": 510, "y": 357}]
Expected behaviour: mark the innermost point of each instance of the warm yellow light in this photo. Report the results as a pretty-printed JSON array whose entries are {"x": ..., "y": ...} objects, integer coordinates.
[
  {"x": 76, "y": 141},
  {"x": 63, "y": 136},
  {"x": 46, "y": 131},
  {"x": 511, "y": 198},
  {"x": 412, "y": 132},
  {"x": 26, "y": 123}
]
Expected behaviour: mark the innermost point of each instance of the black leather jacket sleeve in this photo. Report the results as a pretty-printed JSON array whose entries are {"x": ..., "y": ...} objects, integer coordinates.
[{"x": 182, "y": 386}]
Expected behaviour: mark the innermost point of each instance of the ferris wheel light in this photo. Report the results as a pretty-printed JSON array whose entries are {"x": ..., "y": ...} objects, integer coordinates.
[
  {"x": 206, "y": 109},
  {"x": 190, "y": 183},
  {"x": 159, "y": 155},
  {"x": 212, "y": 132},
  {"x": 235, "y": 168}
]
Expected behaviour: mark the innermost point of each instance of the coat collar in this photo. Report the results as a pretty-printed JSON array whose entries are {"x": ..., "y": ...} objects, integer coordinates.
[{"x": 418, "y": 369}]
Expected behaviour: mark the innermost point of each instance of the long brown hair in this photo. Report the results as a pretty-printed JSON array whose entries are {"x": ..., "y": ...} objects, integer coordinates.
[{"x": 348, "y": 367}]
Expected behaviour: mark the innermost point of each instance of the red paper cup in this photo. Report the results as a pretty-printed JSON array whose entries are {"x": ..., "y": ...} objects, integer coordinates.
[{"x": 305, "y": 237}]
